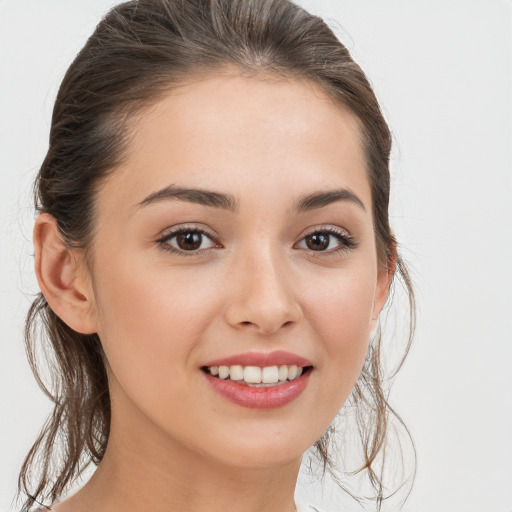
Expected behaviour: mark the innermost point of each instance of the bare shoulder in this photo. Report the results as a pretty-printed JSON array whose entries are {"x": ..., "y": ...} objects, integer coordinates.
[{"x": 44, "y": 508}]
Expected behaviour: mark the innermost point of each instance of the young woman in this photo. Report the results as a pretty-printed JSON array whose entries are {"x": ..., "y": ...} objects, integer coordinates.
[{"x": 213, "y": 251}]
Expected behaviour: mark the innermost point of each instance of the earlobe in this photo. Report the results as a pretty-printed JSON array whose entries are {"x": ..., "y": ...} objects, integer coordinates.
[
  {"x": 62, "y": 278},
  {"x": 384, "y": 279}
]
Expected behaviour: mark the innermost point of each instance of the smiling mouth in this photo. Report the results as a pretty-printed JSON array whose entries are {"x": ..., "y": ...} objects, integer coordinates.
[{"x": 256, "y": 376}]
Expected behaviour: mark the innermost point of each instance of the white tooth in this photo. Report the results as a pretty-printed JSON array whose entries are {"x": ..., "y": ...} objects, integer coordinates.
[
  {"x": 236, "y": 372},
  {"x": 252, "y": 374},
  {"x": 270, "y": 375},
  {"x": 292, "y": 372},
  {"x": 299, "y": 371},
  {"x": 223, "y": 372},
  {"x": 214, "y": 370},
  {"x": 283, "y": 372}
]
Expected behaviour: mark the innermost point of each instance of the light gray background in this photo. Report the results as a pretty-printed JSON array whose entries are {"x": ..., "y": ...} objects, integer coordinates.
[{"x": 442, "y": 71}]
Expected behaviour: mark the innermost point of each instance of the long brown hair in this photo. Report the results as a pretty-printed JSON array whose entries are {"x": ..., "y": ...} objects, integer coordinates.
[{"x": 138, "y": 52}]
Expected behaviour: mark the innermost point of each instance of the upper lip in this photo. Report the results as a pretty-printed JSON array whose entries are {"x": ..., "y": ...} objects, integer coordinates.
[{"x": 262, "y": 359}]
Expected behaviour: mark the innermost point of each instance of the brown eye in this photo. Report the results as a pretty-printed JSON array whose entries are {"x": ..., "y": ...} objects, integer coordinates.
[
  {"x": 189, "y": 241},
  {"x": 184, "y": 241},
  {"x": 328, "y": 240},
  {"x": 317, "y": 241}
]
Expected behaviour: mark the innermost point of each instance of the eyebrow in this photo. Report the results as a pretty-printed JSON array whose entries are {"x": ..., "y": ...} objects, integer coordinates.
[
  {"x": 321, "y": 199},
  {"x": 228, "y": 202},
  {"x": 193, "y": 195}
]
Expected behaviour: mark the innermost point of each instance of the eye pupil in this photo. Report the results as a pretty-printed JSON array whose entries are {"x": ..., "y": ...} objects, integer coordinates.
[
  {"x": 189, "y": 241},
  {"x": 317, "y": 242}
]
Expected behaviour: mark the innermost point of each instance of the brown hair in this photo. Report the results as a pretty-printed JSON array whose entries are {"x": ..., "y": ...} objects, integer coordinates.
[{"x": 138, "y": 52}]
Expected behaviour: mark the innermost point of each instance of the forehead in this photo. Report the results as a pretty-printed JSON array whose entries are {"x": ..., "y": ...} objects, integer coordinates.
[{"x": 244, "y": 133}]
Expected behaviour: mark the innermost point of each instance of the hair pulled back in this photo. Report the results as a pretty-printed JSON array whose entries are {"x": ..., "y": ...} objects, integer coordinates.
[{"x": 138, "y": 52}]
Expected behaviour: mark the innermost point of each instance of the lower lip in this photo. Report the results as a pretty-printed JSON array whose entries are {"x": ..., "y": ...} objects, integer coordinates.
[{"x": 259, "y": 398}]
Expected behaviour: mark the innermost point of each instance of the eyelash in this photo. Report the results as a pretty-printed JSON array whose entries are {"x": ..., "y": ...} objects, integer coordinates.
[
  {"x": 347, "y": 241},
  {"x": 168, "y": 236}
]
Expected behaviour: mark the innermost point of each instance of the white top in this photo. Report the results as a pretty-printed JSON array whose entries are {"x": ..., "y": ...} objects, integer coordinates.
[
  {"x": 306, "y": 508},
  {"x": 300, "y": 508}
]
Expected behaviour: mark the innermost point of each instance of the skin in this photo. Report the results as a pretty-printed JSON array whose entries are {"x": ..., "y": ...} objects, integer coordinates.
[{"x": 175, "y": 444}]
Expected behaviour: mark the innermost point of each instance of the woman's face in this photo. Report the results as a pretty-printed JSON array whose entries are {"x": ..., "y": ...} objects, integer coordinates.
[{"x": 238, "y": 233}]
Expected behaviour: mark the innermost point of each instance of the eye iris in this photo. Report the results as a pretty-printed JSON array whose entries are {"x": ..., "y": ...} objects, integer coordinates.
[
  {"x": 317, "y": 242},
  {"x": 189, "y": 241}
]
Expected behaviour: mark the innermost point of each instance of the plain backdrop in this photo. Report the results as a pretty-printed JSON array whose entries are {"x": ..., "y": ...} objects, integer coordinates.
[{"x": 442, "y": 70}]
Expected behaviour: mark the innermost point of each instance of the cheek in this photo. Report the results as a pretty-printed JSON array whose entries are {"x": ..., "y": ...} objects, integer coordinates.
[
  {"x": 151, "y": 323},
  {"x": 341, "y": 317}
]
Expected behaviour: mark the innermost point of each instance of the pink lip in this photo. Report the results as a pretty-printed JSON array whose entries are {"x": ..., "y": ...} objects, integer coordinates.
[
  {"x": 259, "y": 398},
  {"x": 277, "y": 357}
]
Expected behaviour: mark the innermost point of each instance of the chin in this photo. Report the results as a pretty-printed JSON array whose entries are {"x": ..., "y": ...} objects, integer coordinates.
[{"x": 264, "y": 451}]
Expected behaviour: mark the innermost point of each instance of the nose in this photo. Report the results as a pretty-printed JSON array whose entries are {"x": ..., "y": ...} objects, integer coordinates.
[{"x": 261, "y": 295}]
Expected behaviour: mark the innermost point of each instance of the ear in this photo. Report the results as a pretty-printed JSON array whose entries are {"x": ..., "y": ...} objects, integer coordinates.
[
  {"x": 384, "y": 278},
  {"x": 63, "y": 277}
]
